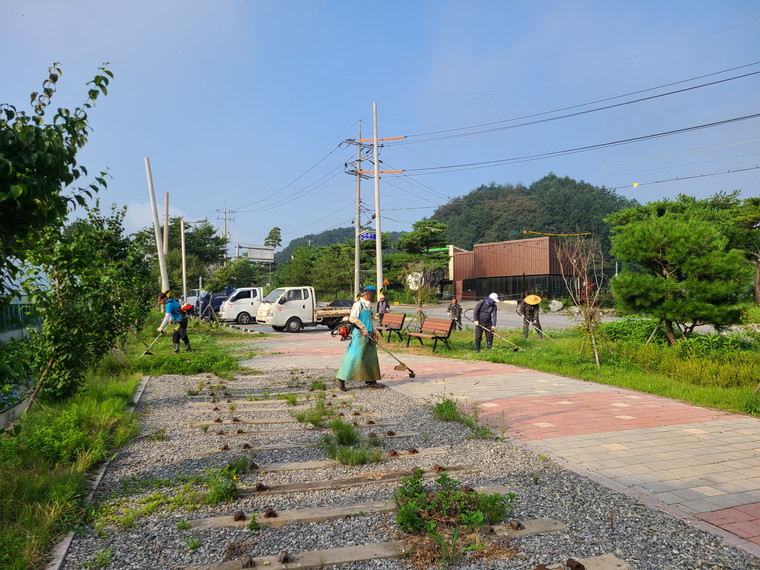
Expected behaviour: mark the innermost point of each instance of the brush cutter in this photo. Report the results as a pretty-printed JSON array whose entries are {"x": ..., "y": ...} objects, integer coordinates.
[
  {"x": 515, "y": 348},
  {"x": 541, "y": 330},
  {"x": 400, "y": 365},
  {"x": 147, "y": 350}
]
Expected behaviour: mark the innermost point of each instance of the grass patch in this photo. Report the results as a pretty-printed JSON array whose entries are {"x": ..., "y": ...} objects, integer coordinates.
[
  {"x": 44, "y": 461},
  {"x": 210, "y": 487}
]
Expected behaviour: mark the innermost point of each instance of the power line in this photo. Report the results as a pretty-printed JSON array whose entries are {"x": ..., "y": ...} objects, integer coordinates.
[
  {"x": 690, "y": 177},
  {"x": 565, "y": 116},
  {"x": 576, "y": 150},
  {"x": 319, "y": 183},
  {"x": 296, "y": 179}
]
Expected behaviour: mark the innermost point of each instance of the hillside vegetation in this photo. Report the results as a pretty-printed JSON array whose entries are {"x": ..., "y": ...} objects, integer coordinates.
[{"x": 497, "y": 212}]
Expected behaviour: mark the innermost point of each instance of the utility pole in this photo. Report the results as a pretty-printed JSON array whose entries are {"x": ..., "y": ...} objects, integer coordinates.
[
  {"x": 357, "y": 221},
  {"x": 166, "y": 223},
  {"x": 362, "y": 145},
  {"x": 184, "y": 262},
  {"x": 225, "y": 234},
  {"x": 378, "y": 235},
  {"x": 225, "y": 212}
]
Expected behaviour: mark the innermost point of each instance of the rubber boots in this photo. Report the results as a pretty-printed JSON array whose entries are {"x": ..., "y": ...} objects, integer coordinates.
[
  {"x": 176, "y": 348},
  {"x": 187, "y": 347},
  {"x": 477, "y": 347}
]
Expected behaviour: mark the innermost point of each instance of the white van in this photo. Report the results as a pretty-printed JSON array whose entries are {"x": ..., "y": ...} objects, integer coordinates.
[{"x": 242, "y": 305}]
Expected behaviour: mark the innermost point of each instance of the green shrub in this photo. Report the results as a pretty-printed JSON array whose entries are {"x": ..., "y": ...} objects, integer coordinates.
[{"x": 410, "y": 517}]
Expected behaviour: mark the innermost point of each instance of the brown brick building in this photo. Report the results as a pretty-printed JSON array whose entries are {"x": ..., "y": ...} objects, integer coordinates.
[{"x": 508, "y": 268}]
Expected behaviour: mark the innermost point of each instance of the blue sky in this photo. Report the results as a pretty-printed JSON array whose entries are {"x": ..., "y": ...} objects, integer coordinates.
[{"x": 246, "y": 102}]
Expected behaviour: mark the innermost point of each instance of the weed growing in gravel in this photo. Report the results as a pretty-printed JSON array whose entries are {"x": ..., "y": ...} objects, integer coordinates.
[
  {"x": 158, "y": 435},
  {"x": 316, "y": 414},
  {"x": 318, "y": 385},
  {"x": 346, "y": 445},
  {"x": 446, "y": 410},
  {"x": 345, "y": 433},
  {"x": 291, "y": 399},
  {"x": 101, "y": 560},
  {"x": 192, "y": 392},
  {"x": 435, "y": 519},
  {"x": 192, "y": 543},
  {"x": 183, "y": 525},
  {"x": 253, "y": 523},
  {"x": 222, "y": 486},
  {"x": 240, "y": 465}
]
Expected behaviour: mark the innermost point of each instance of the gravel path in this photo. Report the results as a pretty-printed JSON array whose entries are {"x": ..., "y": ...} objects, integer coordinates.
[{"x": 599, "y": 520}]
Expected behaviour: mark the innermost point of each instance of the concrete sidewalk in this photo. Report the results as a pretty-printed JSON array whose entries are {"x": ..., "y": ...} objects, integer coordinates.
[{"x": 699, "y": 464}]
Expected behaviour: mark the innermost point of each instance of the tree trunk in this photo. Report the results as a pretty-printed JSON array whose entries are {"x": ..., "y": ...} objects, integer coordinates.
[
  {"x": 669, "y": 331},
  {"x": 651, "y": 336},
  {"x": 117, "y": 356},
  {"x": 596, "y": 351},
  {"x": 757, "y": 283},
  {"x": 39, "y": 384}
]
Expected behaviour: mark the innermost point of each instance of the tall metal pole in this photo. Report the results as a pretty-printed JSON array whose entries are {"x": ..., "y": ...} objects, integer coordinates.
[
  {"x": 166, "y": 223},
  {"x": 156, "y": 228},
  {"x": 378, "y": 236},
  {"x": 357, "y": 242},
  {"x": 184, "y": 262}
]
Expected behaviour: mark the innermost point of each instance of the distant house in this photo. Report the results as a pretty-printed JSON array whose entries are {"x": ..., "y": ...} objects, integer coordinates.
[{"x": 508, "y": 268}]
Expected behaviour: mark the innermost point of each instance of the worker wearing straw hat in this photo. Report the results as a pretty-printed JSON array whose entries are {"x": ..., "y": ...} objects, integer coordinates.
[{"x": 528, "y": 309}]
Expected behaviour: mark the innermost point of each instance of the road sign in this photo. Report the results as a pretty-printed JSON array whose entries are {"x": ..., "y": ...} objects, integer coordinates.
[{"x": 368, "y": 236}]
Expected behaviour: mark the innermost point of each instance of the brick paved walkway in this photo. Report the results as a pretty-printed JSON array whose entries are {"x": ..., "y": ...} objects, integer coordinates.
[{"x": 697, "y": 463}]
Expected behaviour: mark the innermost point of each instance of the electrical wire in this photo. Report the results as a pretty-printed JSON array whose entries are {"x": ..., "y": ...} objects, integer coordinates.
[
  {"x": 576, "y": 150},
  {"x": 458, "y": 133},
  {"x": 690, "y": 177},
  {"x": 319, "y": 183},
  {"x": 296, "y": 179}
]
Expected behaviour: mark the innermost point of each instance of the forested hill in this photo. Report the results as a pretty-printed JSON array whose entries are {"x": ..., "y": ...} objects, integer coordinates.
[
  {"x": 550, "y": 205},
  {"x": 327, "y": 237}
]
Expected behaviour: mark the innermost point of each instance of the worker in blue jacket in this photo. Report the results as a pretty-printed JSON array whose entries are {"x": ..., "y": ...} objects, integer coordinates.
[{"x": 174, "y": 315}]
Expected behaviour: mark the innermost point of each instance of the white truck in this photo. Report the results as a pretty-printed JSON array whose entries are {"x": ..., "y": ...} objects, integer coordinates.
[
  {"x": 292, "y": 308},
  {"x": 242, "y": 305}
]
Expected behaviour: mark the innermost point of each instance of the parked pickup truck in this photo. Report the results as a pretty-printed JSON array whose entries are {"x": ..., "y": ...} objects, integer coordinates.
[
  {"x": 242, "y": 305},
  {"x": 292, "y": 308}
]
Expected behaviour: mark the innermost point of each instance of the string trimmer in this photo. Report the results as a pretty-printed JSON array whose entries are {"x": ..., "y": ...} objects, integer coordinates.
[
  {"x": 515, "y": 347},
  {"x": 147, "y": 350},
  {"x": 400, "y": 365}
]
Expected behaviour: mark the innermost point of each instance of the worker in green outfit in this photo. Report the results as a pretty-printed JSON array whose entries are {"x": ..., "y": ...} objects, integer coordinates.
[{"x": 360, "y": 361}]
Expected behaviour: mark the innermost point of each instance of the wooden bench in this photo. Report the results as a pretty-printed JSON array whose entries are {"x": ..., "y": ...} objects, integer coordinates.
[
  {"x": 393, "y": 323},
  {"x": 436, "y": 329}
]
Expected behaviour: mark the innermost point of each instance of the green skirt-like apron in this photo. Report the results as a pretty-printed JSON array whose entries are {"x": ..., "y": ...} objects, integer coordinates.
[{"x": 360, "y": 361}]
